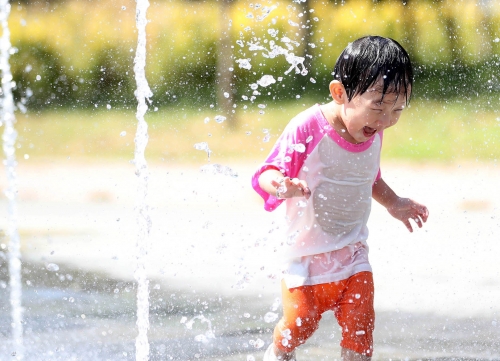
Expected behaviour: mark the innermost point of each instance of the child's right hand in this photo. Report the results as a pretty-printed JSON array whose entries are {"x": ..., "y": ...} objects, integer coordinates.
[{"x": 287, "y": 187}]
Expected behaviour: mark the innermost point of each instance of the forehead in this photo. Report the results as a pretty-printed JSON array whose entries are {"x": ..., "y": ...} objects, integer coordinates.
[{"x": 375, "y": 93}]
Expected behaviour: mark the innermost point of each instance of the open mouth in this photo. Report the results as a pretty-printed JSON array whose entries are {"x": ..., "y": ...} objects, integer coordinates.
[{"x": 369, "y": 132}]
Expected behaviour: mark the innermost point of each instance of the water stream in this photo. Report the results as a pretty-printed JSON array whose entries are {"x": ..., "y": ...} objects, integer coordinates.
[
  {"x": 9, "y": 142},
  {"x": 142, "y": 93}
]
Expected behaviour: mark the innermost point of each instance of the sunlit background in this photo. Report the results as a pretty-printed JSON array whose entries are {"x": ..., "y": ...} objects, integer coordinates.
[{"x": 74, "y": 77}]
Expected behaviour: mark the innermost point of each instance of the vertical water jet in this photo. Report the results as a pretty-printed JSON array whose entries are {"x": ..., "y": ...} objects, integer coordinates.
[
  {"x": 142, "y": 93},
  {"x": 9, "y": 141}
]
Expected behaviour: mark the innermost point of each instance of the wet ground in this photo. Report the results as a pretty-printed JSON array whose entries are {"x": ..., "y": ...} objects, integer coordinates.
[{"x": 212, "y": 283}]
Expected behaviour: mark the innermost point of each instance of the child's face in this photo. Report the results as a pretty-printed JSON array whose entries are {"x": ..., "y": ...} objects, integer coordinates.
[{"x": 368, "y": 113}]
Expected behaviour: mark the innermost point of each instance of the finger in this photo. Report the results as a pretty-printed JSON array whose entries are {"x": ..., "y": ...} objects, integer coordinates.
[
  {"x": 422, "y": 211},
  {"x": 408, "y": 225},
  {"x": 275, "y": 183},
  {"x": 424, "y": 214},
  {"x": 306, "y": 192},
  {"x": 278, "y": 182}
]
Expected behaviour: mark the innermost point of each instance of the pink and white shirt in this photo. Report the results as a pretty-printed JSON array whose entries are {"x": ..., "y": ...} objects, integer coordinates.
[{"x": 326, "y": 235}]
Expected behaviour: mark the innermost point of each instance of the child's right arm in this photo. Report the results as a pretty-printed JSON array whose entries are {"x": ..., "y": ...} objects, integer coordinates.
[{"x": 273, "y": 182}]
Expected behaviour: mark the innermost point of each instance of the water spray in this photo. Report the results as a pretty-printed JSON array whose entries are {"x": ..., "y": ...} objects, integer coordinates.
[
  {"x": 9, "y": 141},
  {"x": 142, "y": 93}
]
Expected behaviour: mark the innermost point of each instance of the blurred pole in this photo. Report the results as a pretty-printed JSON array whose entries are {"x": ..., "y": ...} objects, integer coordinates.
[
  {"x": 224, "y": 75},
  {"x": 9, "y": 141},
  {"x": 451, "y": 31},
  {"x": 410, "y": 37},
  {"x": 486, "y": 27}
]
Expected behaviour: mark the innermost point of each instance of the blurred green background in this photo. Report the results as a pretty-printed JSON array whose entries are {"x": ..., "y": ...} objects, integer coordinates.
[{"x": 73, "y": 70}]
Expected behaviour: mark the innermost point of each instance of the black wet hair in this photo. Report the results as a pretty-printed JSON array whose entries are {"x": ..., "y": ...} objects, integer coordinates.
[{"x": 368, "y": 59}]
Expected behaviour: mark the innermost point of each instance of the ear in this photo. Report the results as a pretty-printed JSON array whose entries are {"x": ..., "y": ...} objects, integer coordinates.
[{"x": 337, "y": 91}]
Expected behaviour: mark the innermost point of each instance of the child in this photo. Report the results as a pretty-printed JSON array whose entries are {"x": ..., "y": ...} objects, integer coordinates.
[{"x": 325, "y": 167}]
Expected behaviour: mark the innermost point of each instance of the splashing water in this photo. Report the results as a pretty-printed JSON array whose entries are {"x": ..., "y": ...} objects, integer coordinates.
[
  {"x": 244, "y": 63},
  {"x": 219, "y": 118},
  {"x": 142, "y": 94},
  {"x": 203, "y": 338},
  {"x": 203, "y": 146},
  {"x": 266, "y": 80},
  {"x": 9, "y": 140},
  {"x": 218, "y": 169},
  {"x": 299, "y": 147}
]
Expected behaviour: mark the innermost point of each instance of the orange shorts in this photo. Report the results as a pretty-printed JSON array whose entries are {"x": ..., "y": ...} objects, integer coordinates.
[{"x": 352, "y": 302}]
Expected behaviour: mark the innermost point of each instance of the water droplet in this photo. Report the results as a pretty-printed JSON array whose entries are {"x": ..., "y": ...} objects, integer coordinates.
[
  {"x": 108, "y": 106},
  {"x": 52, "y": 267},
  {"x": 266, "y": 80},
  {"x": 273, "y": 32},
  {"x": 258, "y": 343},
  {"x": 292, "y": 239},
  {"x": 124, "y": 8},
  {"x": 123, "y": 133},
  {"x": 301, "y": 204},
  {"x": 299, "y": 147},
  {"x": 266, "y": 138},
  {"x": 219, "y": 118},
  {"x": 203, "y": 146},
  {"x": 244, "y": 63},
  {"x": 218, "y": 169},
  {"x": 270, "y": 317}
]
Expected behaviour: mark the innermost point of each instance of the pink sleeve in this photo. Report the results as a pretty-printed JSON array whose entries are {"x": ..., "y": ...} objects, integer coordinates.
[{"x": 289, "y": 153}]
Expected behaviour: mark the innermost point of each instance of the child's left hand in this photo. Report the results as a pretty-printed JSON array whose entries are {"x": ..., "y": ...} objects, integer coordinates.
[{"x": 405, "y": 209}]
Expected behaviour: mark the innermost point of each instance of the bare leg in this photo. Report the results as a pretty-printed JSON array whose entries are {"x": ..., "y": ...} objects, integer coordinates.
[
  {"x": 350, "y": 355},
  {"x": 283, "y": 356}
]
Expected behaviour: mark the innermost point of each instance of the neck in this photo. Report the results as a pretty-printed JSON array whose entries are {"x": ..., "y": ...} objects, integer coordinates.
[{"x": 331, "y": 112}]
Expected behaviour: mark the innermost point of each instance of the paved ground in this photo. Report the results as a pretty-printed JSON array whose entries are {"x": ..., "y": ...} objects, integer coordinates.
[{"x": 211, "y": 248}]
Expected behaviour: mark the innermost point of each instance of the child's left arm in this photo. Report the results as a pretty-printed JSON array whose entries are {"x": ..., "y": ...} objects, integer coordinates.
[{"x": 403, "y": 209}]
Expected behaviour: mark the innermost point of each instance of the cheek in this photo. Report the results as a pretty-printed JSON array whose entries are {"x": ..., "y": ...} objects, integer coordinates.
[{"x": 394, "y": 121}]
